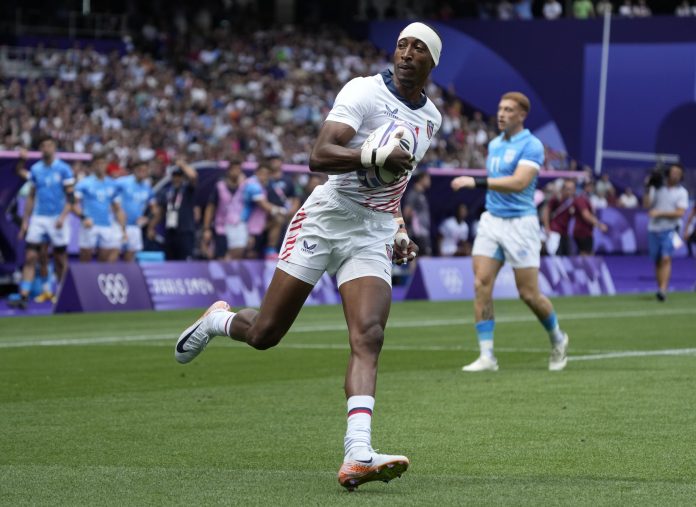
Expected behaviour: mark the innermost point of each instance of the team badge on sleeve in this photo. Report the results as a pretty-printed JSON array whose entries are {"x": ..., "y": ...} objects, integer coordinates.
[{"x": 430, "y": 127}]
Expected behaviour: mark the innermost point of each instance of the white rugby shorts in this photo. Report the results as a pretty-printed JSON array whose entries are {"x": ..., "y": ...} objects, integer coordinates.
[
  {"x": 332, "y": 233},
  {"x": 42, "y": 229},
  {"x": 237, "y": 235},
  {"x": 515, "y": 240},
  {"x": 134, "y": 236},
  {"x": 100, "y": 236}
]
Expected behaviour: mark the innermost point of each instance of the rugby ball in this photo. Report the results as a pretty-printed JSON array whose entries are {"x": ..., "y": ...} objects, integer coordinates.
[{"x": 376, "y": 176}]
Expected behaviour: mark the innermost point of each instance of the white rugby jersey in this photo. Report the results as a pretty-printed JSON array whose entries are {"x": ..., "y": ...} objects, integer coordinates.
[{"x": 366, "y": 103}]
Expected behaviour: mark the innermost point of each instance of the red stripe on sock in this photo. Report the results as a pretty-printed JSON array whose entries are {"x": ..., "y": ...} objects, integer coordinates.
[{"x": 360, "y": 410}]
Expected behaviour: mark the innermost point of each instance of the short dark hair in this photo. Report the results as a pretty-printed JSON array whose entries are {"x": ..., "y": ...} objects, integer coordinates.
[{"x": 46, "y": 137}]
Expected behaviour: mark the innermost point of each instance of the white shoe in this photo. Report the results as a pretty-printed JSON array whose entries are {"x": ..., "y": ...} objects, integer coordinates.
[
  {"x": 379, "y": 467},
  {"x": 559, "y": 355},
  {"x": 195, "y": 337},
  {"x": 483, "y": 363}
]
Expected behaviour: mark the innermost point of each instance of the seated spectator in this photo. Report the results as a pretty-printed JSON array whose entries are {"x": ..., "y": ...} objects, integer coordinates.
[
  {"x": 626, "y": 9},
  {"x": 523, "y": 9},
  {"x": 628, "y": 199},
  {"x": 604, "y": 189},
  {"x": 596, "y": 201},
  {"x": 552, "y": 9},
  {"x": 454, "y": 234},
  {"x": 604, "y": 7},
  {"x": 506, "y": 11},
  {"x": 583, "y": 9},
  {"x": 683, "y": 10},
  {"x": 641, "y": 10}
]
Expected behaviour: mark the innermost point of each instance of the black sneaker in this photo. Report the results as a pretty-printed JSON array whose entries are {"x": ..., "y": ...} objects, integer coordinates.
[{"x": 661, "y": 297}]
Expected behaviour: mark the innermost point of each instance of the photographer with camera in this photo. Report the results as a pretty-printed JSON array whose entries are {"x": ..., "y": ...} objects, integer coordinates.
[{"x": 667, "y": 201}]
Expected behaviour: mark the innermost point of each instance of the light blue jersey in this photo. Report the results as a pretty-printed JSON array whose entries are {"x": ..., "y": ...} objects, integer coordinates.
[
  {"x": 135, "y": 197},
  {"x": 503, "y": 157},
  {"x": 50, "y": 182},
  {"x": 97, "y": 197},
  {"x": 253, "y": 192}
]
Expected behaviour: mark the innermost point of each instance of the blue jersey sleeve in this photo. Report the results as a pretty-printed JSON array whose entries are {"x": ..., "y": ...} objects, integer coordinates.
[
  {"x": 253, "y": 192},
  {"x": 66, "y": 173},
  {"x": 533, "y": 153}
]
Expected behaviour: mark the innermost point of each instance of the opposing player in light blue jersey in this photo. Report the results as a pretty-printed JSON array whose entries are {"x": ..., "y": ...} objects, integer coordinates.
[
  {"x": 46, "y": 208},
  {"x": 509, "y": 230},
  {"x": 102, "y": 222},
  {"x": 136, "y": 197}
]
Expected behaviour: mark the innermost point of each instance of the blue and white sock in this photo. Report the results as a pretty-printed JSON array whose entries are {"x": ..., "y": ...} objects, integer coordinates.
[
  {"x": 484, "y": 333},
  {"x": 550, "y": 323}
]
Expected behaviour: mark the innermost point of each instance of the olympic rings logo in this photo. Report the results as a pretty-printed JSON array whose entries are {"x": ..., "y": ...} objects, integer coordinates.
[{"x": 114, "y": 286}]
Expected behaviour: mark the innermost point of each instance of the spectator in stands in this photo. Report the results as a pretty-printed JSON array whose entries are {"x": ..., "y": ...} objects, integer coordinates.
[
  {"x": 690, "y": 231},
  {"x": 454, "y": 234},
  {"x": 416, "y": 213},
  {"x": 604, "y": 7},
  {"x": 583, "y": 9},
  {"x": 140, "y": 207},
  {"x": 523, "y": 9},
  {"x": 47, "y": 206},
  {"x": 683, "y": 10},
  {"x": 628, "y": 199},
  {"x": 586, "y": 221},
  {"x": 604, "y": 189},
  {"x": 102, "y": 221},
  {"x": 281, "y": 193},
  {"x": 626, "y": 9},
  {"x": 556, "y": 217},
  {"x": 596, "y": 201},
  {"x": 506, "y": 11},
  {"x": 667, "y": 201},
  {"x": 552, "y": 9},
  {"x": 223, "y": 225},
  {"x": 176, "y": 206},
  {"x": 641, "y": 10}
]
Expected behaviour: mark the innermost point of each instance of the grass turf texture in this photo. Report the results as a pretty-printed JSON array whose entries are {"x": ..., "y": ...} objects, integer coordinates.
[{"x": 120, "y": 423}]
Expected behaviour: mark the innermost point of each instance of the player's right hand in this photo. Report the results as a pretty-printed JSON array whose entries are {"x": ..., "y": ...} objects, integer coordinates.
[
  {"x": 399, "y": 161},
  {"x": 87, "y": 223}
]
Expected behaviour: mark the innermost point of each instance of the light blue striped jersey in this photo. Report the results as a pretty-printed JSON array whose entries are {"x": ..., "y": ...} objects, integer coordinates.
[{"x": 504, "y": 155}]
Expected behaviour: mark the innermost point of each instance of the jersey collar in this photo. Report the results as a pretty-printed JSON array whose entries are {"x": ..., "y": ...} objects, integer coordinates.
[
  {"x": 387, "y": 77},
  {"x": 522, "y": 133}
]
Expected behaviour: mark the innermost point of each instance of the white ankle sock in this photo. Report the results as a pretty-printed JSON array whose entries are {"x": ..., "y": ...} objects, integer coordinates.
[
  {"x": 220, "y": 322},
  {"x": 358, "y": 437}
]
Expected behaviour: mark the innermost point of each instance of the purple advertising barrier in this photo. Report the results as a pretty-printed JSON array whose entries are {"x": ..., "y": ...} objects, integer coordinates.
[
  {"x": 198, "y": 284},
  {"x": 99, "y": 287},
  {"x": 633, "y": 274},
  {"x": 451, "y": 278}
]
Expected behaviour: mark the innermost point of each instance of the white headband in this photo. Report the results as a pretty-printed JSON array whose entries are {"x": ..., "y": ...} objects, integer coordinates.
[{"x": 426, "y": 34}]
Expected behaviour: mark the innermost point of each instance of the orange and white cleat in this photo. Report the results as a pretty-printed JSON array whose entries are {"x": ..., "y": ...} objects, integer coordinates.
[
  {"x": 380, "y": 467},
  {"x": 195, "y": 337}
]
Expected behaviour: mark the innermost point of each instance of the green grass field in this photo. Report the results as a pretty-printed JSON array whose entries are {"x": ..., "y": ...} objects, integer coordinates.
[{"x": 95, "y": 411}]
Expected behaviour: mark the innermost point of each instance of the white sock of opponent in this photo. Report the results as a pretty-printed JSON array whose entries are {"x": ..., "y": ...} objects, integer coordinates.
[
  {"x": 220, "y": 322},
  {"x": 358, "y": 437}
]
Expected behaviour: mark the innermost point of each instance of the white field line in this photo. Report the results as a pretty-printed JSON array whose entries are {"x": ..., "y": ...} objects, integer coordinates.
[{"x": 18, "y": 342}]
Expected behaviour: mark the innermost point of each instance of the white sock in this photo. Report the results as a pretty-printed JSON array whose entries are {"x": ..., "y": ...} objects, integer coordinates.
[
  {"x": 557, "y": 336},
  {"x": 220, "y": 322},
  {"x": 358, "y": 437},
  {"x": 486, "y": 347}
]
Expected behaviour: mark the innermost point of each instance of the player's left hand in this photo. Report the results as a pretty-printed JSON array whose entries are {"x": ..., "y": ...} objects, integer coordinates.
[
  {"x": 59, "y": 222},
  {"x": 462, "y": 182},
  {"x": 405, "y": 250}
]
